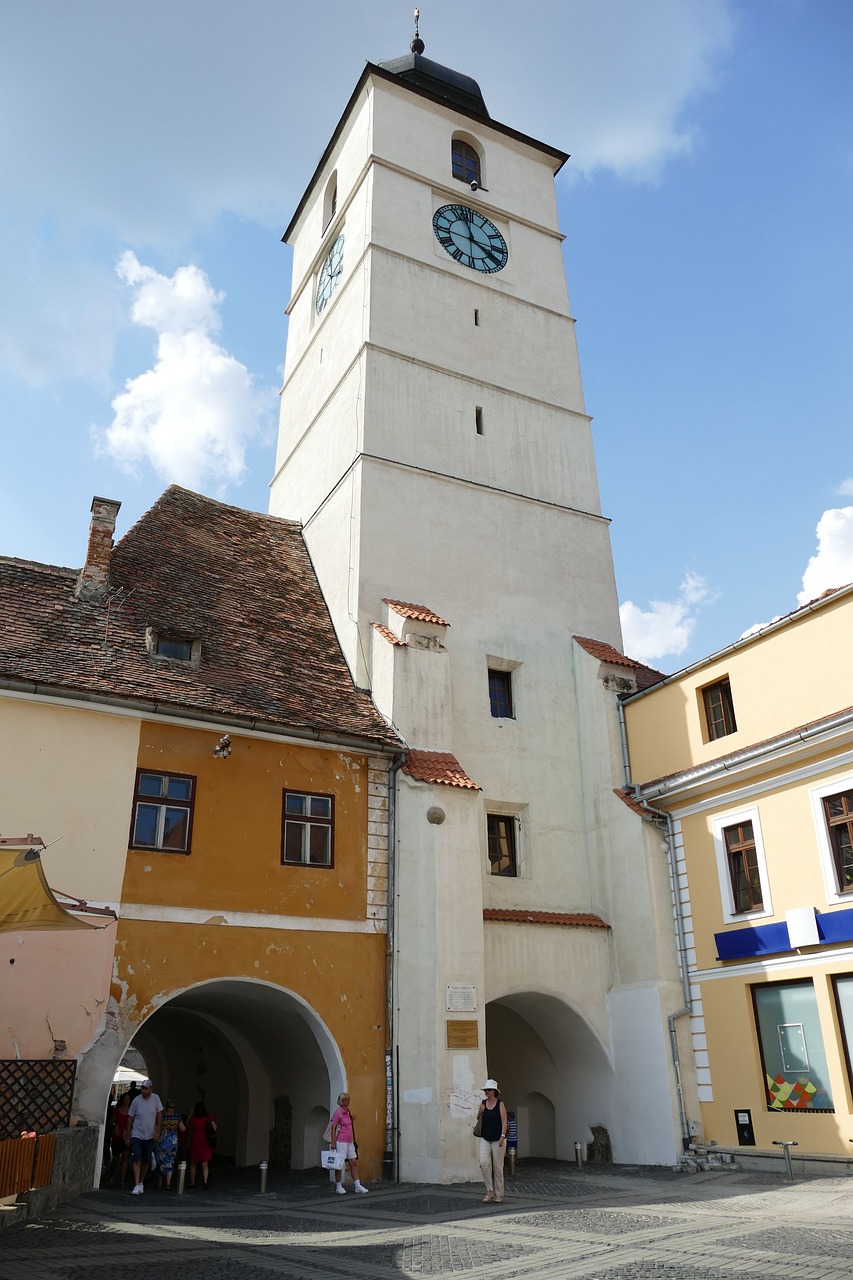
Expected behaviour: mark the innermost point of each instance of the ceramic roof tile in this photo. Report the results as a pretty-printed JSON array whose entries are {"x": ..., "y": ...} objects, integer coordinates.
[
  {"x": 633, "y": 803},
  {"x": 417, "y": 611},
  {"x": 572, "y": 920},
  {"x": 239, "y": 582},
  {"x": 644, "y": 675},
  {"x": 388, "y": 635},
  {"x": 437, "y": 766}
]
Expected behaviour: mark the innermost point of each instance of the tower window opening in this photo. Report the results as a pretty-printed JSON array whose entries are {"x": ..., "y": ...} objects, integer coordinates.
[
  {"x": 500, "y": 832},
  {"x": 330, "y": 200},
  {"x": 476, "y": 317},
  {"x": 465, "y": 163},
  {"x": 478, "y": 420}
]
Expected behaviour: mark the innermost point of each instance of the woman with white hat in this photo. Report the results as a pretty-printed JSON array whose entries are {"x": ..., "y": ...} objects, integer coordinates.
[{"x": 494, "y": 1119}]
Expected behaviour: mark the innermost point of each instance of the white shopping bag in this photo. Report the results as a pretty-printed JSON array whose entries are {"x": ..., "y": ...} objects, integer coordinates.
[{"x": 331, "y": 1160}]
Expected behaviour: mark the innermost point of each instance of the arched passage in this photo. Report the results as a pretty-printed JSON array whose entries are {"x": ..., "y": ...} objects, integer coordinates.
[
  {"x": 259, "y": 1057},
  {"x": 552, "y": 1070}
]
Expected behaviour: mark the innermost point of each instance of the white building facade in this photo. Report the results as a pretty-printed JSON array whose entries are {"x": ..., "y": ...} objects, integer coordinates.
[{"x": 435, "y": 445}]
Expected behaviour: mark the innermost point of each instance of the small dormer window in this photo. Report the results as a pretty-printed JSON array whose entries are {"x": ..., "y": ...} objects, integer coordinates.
[
  {"x": 465, "y": 162},
  {"x": 171, "y": 647},
  {"x": 165, "y": 644}
]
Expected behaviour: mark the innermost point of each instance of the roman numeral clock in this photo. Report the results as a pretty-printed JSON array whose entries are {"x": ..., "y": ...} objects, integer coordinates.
[{"x": 470, "y": 238}]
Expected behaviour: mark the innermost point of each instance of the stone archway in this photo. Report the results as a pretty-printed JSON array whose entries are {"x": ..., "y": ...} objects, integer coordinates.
[
  {"x": 552, "y": 1070},
  {"x": 239, "y": 1045}
]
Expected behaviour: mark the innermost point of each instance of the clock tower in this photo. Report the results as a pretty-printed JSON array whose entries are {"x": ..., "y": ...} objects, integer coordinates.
[{"x": 435, "y": 445}]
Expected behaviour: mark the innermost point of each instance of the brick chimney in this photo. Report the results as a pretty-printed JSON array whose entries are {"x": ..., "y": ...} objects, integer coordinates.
[{"x": 93, "y": 578}]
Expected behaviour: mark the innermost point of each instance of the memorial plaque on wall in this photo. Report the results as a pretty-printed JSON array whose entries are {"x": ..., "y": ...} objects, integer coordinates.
[
  {"x": 462, "y": 1035},
  {"x": 461, "y": 999}
]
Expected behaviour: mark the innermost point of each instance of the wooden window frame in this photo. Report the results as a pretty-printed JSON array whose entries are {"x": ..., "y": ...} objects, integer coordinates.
[
  {"x": 744, "y": 871},
  {"x": 501, "y": 701},
  {"x": 465, "y": 164},
  {"x": 502, "y": 844},
  {"x": 307, "y": 822},
  {"x": 720, "y": 719},
  {"x": 834, "y": 826},
  {"x": 162, "y": 802}
]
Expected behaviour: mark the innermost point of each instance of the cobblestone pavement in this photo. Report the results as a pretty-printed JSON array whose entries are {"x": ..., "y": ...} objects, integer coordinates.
[{"x": 558, "y": 1222}]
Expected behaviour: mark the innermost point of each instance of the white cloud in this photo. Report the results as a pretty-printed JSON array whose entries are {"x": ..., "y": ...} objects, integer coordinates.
[
  {"x": 614, "y": 82},
  {"x": 832, "y": 563},
  {"x": 846, "y": 486},
  {"x": 192, "y": 415},
  {"x": 666, "y": 627},
  {"x": 145, "y": 125}
]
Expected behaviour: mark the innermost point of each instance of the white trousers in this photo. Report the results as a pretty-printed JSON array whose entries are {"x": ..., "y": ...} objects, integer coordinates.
[{"x": 492, "y": 1166}]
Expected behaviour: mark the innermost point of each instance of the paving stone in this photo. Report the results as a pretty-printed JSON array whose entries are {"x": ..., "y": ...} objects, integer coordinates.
[{"x": 557, "y": 1221}]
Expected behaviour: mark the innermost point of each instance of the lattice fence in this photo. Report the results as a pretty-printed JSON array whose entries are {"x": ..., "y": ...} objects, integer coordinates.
[{"x": 35, "y": 1094}]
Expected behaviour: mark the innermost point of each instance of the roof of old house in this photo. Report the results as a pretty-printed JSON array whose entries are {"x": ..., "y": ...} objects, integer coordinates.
[
  {"x": 570, "y": 920},
  {"x": 437, "y": 766},
  {"x": 645, "y": 676},
  {"x": 239, "y": 582}
]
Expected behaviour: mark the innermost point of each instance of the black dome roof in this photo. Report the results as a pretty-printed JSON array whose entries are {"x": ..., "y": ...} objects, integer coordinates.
[{"x": 461, "y": 90}]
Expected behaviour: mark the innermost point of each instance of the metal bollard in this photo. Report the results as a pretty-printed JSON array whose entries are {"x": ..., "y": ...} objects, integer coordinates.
[
  {"x": 182, "y": 1176},
  {"x": 512, "y": 1158},
  {"x": 786, "y": 1146},
  {"x": 264, "y": 1166},
  {"x": 579, "y": 1154}
]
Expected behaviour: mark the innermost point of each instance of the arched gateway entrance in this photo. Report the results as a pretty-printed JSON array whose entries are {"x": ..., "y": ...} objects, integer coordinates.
[
  {"x": 552, "y": 1069},
  {"x": 259, "y": 1056}
]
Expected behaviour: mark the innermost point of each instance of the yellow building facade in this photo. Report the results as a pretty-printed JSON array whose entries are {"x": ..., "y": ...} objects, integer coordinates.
[
  {"x": 748, "y": 758},
  {"x": 211, "y": 789}
]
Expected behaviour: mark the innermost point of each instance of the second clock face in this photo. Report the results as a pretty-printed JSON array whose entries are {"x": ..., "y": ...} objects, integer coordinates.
[
  {"x": 330, "y": 273},
  {"x": 470, "y": 238}
]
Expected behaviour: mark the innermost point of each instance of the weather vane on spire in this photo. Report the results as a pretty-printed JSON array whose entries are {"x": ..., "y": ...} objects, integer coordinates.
[{"x": 417, "y": 45}]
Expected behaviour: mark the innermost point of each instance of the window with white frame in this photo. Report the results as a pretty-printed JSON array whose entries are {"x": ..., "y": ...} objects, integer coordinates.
[
  {"x": 741, "y": 866},
  {"x": 163, "y": 811},
  {"x": 832, "y": 808},
  {"x": 307, "y": 829}
]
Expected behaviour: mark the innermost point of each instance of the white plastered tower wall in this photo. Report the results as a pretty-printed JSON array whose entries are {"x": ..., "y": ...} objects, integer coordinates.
[{"x": 435, "y": 444}]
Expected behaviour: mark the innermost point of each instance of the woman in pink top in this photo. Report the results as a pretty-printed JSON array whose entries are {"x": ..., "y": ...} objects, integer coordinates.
[{"x": 343, "y": 1136}]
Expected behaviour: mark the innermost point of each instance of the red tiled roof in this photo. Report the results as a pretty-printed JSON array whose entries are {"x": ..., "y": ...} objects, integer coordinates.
[
  {"x": 645, "y": 676},
  {"x": 418, "y": 611},
  {"x": 388, "y": 635},
  {"x": 632, "y": 802},
  {"x": 437, "y": 766},
  {"x": 575, "y": 920},
  {"x": 239, "y": 582}
]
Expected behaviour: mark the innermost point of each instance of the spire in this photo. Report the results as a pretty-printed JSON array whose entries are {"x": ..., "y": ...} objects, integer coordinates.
[{"x": 417, "y": 45}]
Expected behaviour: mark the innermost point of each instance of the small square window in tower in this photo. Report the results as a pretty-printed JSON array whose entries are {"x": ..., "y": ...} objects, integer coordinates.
[
  {"x": 500, "y": 831},
  {"x": 719, "y": 710},
  {"x": 500, "y": 694},
  {"x": 465, "y": 163}
]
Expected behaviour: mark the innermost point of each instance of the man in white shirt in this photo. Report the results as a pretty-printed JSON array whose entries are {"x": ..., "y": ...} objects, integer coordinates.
[{"x": 146, "y": 1112}]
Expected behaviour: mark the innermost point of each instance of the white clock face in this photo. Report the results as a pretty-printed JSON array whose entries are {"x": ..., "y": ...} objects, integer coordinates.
[{"x": 330, "y": 274}]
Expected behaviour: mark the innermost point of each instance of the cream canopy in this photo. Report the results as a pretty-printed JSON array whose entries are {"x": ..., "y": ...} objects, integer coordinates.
[{"x": 26, "y": 899}]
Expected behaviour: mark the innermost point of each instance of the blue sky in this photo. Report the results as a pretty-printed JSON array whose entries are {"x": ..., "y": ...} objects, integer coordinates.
[{"x": 153, "y": 155}]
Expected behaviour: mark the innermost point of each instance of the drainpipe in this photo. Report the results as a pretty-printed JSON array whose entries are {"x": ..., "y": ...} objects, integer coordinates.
[
  {"x": 389, "y": 1159},
  {"x": 661, "y": 818}
]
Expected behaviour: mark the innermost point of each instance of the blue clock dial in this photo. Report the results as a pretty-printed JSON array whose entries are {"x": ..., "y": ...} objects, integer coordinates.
[
  {"x": 470, "y": 238},
  {"x": 330, "y": 274}
]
